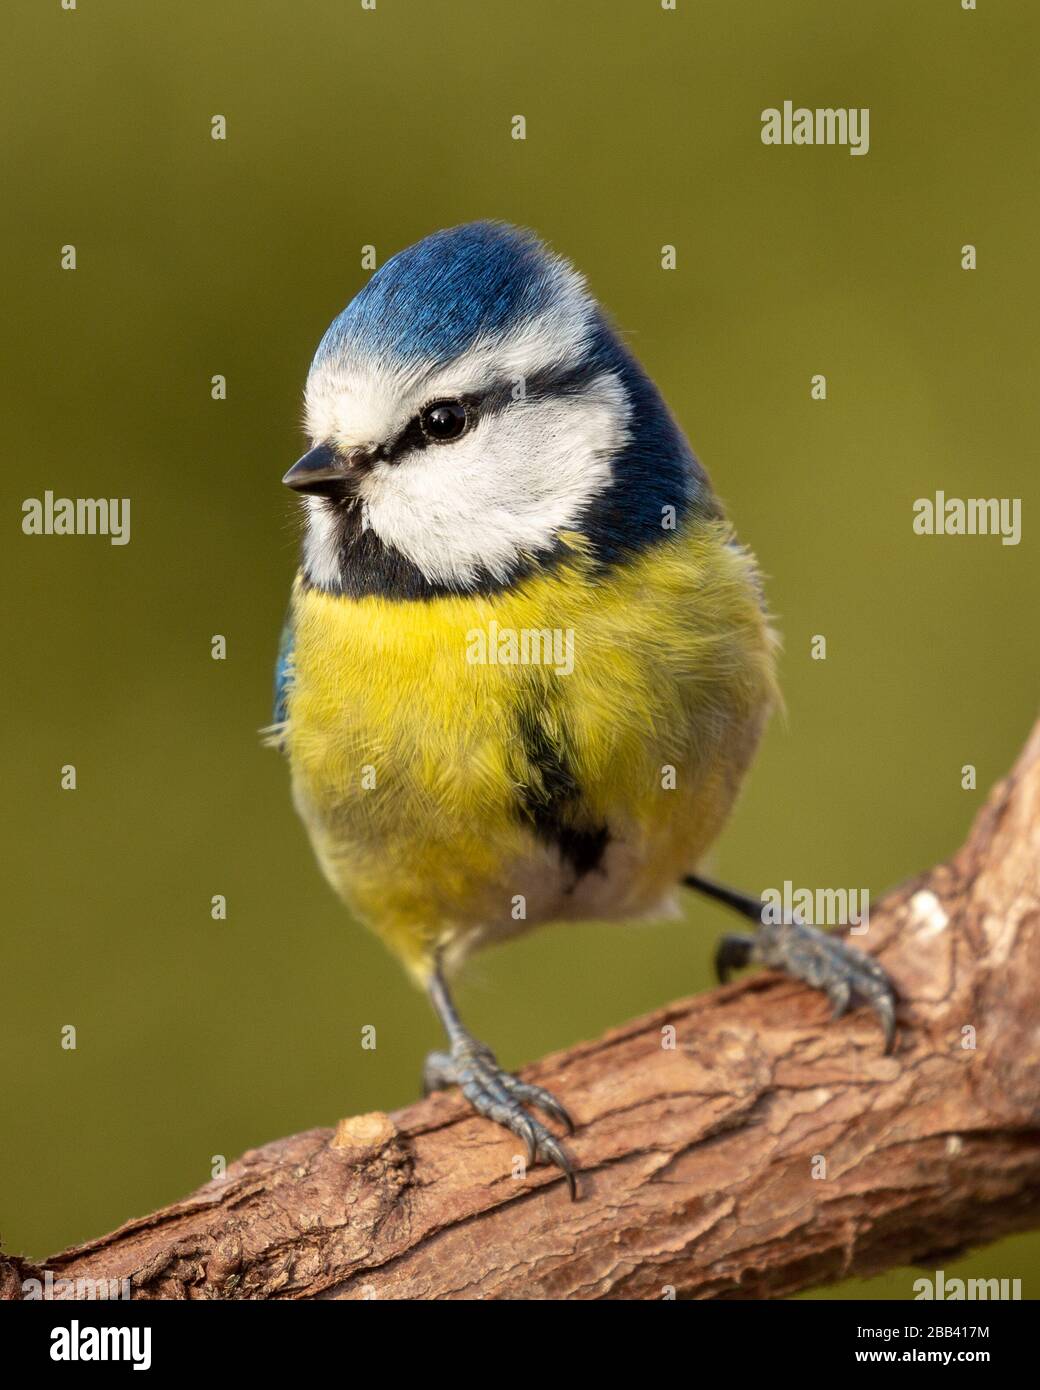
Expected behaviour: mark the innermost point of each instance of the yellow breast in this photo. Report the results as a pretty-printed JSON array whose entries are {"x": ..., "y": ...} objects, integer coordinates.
[{"x": 457, "y": 759}]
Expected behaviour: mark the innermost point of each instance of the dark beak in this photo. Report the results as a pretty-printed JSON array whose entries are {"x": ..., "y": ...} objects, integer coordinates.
[{"x": 321, "y": 472}]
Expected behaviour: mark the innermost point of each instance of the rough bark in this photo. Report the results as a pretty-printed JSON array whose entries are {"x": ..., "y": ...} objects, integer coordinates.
[{"x": 696, "y": 1160}]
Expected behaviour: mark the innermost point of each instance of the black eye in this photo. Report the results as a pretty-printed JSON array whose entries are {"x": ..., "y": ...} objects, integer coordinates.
[{"x": 443, "y": 421}]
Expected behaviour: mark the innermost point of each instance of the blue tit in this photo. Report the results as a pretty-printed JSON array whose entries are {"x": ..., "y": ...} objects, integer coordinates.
[{"x": 526, "y": 663}]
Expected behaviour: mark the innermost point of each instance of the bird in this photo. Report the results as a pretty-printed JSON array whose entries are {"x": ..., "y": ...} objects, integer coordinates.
[{"x": 527, "y": 661}]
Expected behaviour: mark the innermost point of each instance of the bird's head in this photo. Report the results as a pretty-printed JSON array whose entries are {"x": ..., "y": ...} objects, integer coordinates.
[{"x": 468, "y": 410}]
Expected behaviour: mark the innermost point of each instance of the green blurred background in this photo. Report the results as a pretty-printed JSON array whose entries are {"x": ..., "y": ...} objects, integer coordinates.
[{"x": 197, "y": 257}]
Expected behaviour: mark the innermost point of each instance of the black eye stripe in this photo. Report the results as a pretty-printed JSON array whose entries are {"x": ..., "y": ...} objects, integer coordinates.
[
  {"x": 414, "y": 437},
  {"x": 498, "y": 396},
  {"x": 410, "y": 439}
]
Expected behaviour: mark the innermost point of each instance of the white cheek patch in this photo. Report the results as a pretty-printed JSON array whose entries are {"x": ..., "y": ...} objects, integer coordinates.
[{"x": 505, "y": 489}]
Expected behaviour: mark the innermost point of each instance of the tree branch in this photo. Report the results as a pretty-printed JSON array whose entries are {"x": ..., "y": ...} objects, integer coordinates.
[{"x": 697, "y": 1160}]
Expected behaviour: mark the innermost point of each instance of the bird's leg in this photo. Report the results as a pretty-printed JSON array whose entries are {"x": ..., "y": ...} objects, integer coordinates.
[
  {"x": 820, "y": 959},
  {"x": 493, "y": 1092}
]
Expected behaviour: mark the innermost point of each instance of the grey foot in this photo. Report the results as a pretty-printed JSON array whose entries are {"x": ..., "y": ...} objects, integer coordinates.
[
  {"x": 500, "y": 1096},
  {"x": 821, "y": 960}
]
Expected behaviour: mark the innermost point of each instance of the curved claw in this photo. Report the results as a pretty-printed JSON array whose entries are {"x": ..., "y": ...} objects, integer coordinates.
[
  {"x": 527, "y": 1130},
  {"x": 553, "y": 1107},
  {"x": 553, "y": 1150},
  {"x": 538, "y": 1095},
  {"x": 840, "y": 995}
]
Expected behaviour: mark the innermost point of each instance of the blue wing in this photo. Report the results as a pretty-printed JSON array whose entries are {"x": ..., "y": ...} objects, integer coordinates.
[{"x": 283, "y": 673}]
